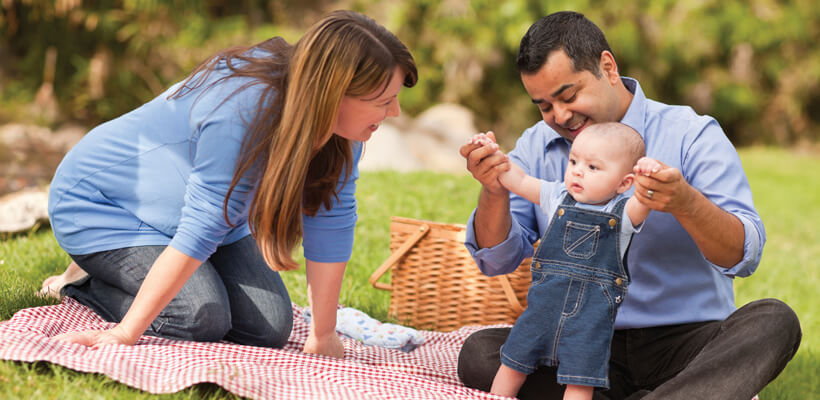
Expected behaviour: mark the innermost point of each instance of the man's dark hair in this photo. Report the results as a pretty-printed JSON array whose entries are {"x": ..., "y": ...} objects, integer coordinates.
[{"x": 570, "y": 31}]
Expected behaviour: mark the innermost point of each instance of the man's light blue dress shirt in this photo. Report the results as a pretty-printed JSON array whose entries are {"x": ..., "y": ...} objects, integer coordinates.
[{"x": 672, "y": 282}]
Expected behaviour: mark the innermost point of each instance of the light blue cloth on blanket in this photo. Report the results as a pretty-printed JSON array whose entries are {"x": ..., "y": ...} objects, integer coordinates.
[{"x": 357, "y": 325}]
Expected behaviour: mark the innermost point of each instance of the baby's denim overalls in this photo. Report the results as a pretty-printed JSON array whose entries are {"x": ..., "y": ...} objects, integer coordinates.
[{"x": 578, "y": 283}]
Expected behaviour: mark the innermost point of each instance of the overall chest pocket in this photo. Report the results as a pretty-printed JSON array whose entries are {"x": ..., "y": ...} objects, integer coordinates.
[{"x": 581, "y": 240}]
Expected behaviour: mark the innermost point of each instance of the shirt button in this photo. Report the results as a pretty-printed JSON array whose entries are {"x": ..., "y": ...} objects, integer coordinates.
[
  {"x": 560, "y": 212},
  {"x": 619, "y": 281},
  {"x": 612, "y": 222}
]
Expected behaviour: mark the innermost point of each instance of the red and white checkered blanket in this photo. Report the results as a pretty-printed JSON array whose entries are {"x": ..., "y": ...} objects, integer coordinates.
[{"x": 164, "y": 366}]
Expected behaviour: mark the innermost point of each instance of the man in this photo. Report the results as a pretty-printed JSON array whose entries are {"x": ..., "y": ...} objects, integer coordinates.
[{"x": 678, "y": 334}]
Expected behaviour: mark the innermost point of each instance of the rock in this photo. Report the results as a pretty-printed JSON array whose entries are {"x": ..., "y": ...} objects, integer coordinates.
[
  {"x": 434, "y": 154},
  {"x": 29, "y": 154},
  {"x": 380, "y": 151},
  {"x": 452, "y": 123},
  {"x": 430, "y": 142},
  {"x": 438, "y": 133},
  {"x": 22, "y": 136},
  {"x": 21, "y": 211},
  {"x": 66, "y": 136}
]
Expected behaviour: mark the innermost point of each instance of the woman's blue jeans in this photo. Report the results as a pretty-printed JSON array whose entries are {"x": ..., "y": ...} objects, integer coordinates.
[{"x": 233, "y": 295}]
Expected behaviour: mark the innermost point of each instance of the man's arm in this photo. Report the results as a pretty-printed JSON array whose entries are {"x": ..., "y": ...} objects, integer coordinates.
[
  {"x": 492, "y": 219},
  {"x": 718, "y": 234},
  {"x": 492, "y": 216}
]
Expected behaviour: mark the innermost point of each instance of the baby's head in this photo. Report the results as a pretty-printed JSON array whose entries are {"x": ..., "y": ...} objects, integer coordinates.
[{"x": 601, "y": 160}]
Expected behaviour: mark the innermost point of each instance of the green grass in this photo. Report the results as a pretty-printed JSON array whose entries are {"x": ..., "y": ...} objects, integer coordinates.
[{"x": 787, "y": 195}]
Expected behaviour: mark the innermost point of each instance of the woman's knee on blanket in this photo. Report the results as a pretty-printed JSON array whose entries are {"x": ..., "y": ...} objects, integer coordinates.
[
  {"x": 267, "y": 326},
  {"x": 200, "y": 321}
]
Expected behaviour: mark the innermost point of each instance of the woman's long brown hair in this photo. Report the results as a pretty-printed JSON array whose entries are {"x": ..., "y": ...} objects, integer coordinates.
[{"x": 343, "y": 54}]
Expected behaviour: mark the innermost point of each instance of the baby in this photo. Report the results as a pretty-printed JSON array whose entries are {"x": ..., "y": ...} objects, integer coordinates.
[{"x": 578, "y": 277}]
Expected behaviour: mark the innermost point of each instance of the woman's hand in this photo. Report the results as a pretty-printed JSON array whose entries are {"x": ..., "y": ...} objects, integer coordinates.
[
  {"x": 324, "y": 284},
  {"x": 329, "y": 345},
  {"x": 96, "y": 339}
]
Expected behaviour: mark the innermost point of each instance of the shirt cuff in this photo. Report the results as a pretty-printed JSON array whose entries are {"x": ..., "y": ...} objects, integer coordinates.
[
  {"x": 752, "y": 251},
  {"x": 328, "y": 246},
  {"x": 189, "y": 246},
  {"x": 502, "y": 258}
]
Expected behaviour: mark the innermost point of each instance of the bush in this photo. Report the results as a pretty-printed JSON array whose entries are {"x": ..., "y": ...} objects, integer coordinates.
[{"x": 752, "y": 65}]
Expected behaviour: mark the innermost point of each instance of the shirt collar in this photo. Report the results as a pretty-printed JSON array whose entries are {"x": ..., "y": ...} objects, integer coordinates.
[
  {"x": 634, "y": 116},
  {"x": 636, "y": 113}
]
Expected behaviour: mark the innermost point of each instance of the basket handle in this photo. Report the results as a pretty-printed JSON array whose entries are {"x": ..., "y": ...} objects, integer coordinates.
[
  {"x": 398, "y": 254},
  {"x": 510, "y": 293}
]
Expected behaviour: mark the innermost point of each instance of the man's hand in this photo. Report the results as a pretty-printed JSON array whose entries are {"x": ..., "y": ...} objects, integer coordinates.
[
  {"x": 662, "y": 188},
  {"x": 485, "y": 162},
  {"x": 492, "y": 215},
  {"x": 718, "y": 234}
]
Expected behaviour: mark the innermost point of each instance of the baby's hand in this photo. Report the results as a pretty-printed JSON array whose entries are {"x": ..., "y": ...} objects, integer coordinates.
[
  {"x": 481, "y": 139},
  {"x": 484, "y": 140},
  {"x": 646, "y": 166}
]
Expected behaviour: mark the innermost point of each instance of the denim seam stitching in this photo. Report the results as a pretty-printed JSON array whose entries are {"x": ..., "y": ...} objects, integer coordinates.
[
  {"x": 591, "y": 231},
  {"x": 581, "y": 276}
]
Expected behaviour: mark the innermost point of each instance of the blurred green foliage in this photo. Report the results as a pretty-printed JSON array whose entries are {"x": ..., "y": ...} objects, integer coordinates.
[{"x": 754, "y": 65}]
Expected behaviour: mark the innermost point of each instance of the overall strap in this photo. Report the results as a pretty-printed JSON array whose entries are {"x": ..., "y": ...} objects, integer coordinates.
[
  {"x": 619, "y": 207},
  {"x": 568, "y": 201},
  {"x": 619, "y": 211}
]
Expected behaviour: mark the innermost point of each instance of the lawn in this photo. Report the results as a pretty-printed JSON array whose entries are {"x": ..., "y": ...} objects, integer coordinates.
[{"x": 787, "y": 194}]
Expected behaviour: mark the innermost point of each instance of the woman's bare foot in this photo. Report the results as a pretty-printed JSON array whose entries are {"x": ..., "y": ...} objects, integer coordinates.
[{"x": 53, "y": 284}]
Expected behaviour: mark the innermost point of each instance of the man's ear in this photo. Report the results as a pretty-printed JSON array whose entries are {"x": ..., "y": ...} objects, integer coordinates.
[
  {"x": 609, "y": 68},
  {"x": 626, "y": 183}
]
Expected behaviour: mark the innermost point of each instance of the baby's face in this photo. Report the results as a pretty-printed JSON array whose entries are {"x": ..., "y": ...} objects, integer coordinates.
[{"x": 595, "y": 170}]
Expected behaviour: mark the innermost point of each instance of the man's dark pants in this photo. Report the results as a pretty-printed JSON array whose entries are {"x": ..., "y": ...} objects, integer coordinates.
[{"x": 731, "y": 359}]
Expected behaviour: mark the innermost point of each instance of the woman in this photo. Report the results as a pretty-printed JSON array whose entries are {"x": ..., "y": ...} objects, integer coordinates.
[{"x": 158, "y": 205}]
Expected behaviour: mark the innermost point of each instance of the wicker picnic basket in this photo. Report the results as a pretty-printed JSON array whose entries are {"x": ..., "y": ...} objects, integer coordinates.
[{"x": 436, "y": 285}]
